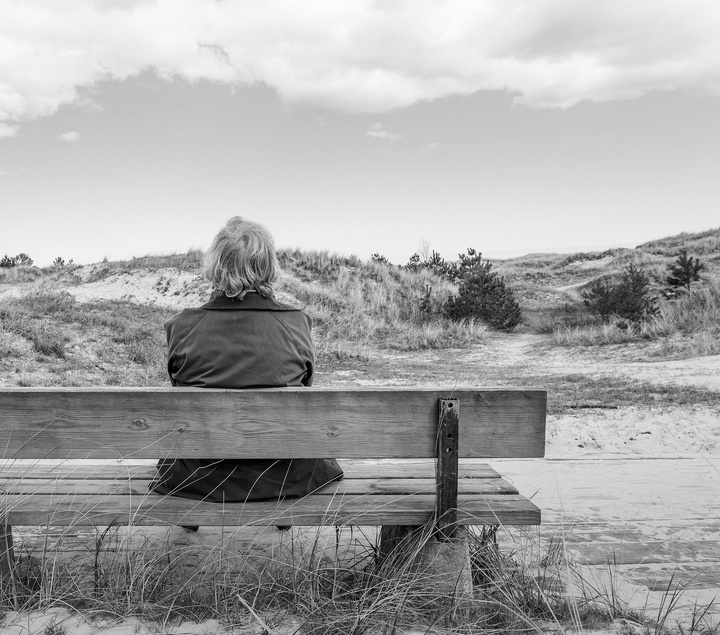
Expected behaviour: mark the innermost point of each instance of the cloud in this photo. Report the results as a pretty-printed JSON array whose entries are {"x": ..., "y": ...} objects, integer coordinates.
[
  {"x": 8, "y": 130},
  {"x": 430, "y": 147},
  {"x": 367, "y": 56},
  {"x": 377, "y": 130},
  {"x": 69, "y": 136},
  {"x": 11, "y": 171}
]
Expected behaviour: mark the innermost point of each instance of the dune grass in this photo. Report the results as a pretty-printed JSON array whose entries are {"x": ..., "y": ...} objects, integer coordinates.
[
  {"x": 687, "y": 326},
  {"x": 76, "y": 344},
  {"x": 49, "y": 338},
  {"x": 127, "y": 576},
  {"x": 357, "y": 306},
  {"x": 313, "y": 585}
]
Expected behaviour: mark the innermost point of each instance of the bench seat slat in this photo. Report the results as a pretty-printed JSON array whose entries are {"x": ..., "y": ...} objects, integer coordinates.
[
  {"x": 417, "y": 509},
  {"x": 354, "y": 468},
  {"x": 137, "y": 486}
]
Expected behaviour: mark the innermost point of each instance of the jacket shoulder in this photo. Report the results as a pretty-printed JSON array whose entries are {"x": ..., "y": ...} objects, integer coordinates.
[{"x": 183, "y": 322}]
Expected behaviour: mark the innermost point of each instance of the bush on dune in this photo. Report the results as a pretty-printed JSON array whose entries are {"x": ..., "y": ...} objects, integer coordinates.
[
  {"x": 482, "y": 294},
  {"x": 356, "y": 304},
  {"x": 687, "y": 325}
]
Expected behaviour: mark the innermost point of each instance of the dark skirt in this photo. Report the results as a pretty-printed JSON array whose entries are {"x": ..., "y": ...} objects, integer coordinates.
[{"x": 240, "y": 480}]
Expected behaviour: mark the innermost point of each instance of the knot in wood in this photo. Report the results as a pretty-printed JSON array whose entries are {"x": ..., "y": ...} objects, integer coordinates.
[{"x": 139, "y": 424}]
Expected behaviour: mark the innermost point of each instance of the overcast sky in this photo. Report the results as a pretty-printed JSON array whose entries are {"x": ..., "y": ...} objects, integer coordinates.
[{"x": 130, "y": 127}]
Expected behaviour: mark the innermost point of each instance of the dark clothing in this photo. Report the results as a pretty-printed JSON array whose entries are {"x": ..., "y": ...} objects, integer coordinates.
[{"x": 255, "y": 342}]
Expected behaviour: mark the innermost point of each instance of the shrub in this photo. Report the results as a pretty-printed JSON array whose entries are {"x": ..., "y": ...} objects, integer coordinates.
[
  {"x": 628, "y": 299},
  {"x": 684, "y": 271},
  {"x": 47, "y": 339},
  {"x": 482, "y": 294},
  {"x": 23, "y": 260},
  {"x": 6, "y": 262},
  {"x": 434, "y": 263},
  {"x": 600, "y": 298}
]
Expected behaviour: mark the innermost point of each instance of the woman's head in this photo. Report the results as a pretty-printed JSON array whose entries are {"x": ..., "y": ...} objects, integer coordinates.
[{"x": 242, "y": 258}]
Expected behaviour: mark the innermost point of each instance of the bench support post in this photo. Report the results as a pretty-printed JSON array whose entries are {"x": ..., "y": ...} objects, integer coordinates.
[
  {"x": 440, "y": 554},
  {"x": 447, "y": 468}
]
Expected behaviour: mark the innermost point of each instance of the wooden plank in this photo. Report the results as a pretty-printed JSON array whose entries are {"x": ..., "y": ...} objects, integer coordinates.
[
  {"x": 273, "y": 423},
  {"x": 413, "y": 468},
  {"x": 354, "y": 468},
  {"x": 348, "y": 486},
  {"x": 358, "y": 510},
  {"x": 447, "y": 468}
]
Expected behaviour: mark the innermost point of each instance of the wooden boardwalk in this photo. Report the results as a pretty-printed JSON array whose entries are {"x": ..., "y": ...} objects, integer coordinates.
[{"x": 652, "y": 524}]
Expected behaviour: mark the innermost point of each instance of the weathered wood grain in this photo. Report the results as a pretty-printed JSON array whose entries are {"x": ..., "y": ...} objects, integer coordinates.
[
  {"x": 338, "y": 510},
  {"x": 274, "y": 422},
  {"x": 353, "y": 468}
]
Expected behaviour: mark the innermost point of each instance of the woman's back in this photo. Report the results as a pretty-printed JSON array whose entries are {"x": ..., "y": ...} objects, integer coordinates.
[
  {"x": 242, "y": 338},
  {"x": 230, "y": 343}
]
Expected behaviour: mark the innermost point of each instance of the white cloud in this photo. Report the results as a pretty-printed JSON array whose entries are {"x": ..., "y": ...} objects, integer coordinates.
[
  {"x": 364, "y": 56},
  {"x": 69, "y": 136},
  {"x": 430, "y": 147},
  {"x": 8, "y": 130},
  {"x": 377, "y": 130},
  {"x": 11, "y": 171}
]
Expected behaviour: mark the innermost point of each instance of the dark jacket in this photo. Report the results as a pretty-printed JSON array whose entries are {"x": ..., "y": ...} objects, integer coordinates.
[{"x": 250, "y": 343}]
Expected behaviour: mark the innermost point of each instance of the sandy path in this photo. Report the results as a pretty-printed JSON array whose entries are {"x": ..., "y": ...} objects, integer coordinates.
[{"x": 640, "y": 526}]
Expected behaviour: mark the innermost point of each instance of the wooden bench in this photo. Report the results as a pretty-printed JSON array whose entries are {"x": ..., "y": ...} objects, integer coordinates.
[{"x": 406, "y": 454}]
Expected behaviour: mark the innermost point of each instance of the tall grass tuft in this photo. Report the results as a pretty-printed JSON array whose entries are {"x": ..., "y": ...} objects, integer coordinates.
[{"x": 311, "y": 586}]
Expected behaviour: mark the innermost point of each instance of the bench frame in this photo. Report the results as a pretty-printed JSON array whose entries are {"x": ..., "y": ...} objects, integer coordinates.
[{"x": 38, "y": 424}]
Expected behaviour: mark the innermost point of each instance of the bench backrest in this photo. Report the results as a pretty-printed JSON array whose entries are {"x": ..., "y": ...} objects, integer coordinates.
[{"x": 151, "y": 423}]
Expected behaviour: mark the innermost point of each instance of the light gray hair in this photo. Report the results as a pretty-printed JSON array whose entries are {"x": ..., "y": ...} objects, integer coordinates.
[{"x": 242, "y": 258}]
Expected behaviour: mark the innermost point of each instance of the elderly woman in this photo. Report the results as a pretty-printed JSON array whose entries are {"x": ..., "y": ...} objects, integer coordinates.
[{"x": 242, "y": 338}]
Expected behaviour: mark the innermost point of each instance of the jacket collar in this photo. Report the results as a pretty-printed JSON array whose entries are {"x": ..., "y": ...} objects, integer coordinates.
[{"x": 251, "y": 302}]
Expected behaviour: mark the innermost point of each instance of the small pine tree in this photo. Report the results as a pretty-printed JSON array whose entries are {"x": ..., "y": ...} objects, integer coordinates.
[
  {"x": 482, "y": 294},
  {"x": 59, "y": 262},
  {"x": 628, "y": 299},
  {"x": 23, "y": 260},
  {"x": 684, "y": 271},
  {"x": 6, "y": 262},
  {"x": 434, "y": 262},
  {"x": 633, "y": 299},
  {"x": 414, "y": 264},
  {"x": 600, "y": 298},
  {"x": 380, "y": 259}
]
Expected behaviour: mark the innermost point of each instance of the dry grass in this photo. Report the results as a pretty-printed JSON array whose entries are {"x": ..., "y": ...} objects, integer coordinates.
[
  {"x": 76, "y": 344},
  {"x": 688, "y": 326},
  {"x": 357, "y": 306},
  {"x": 702, "y": 243},
  {"x": 125, "y": 575},
  {"x": 306, "y": 590}
]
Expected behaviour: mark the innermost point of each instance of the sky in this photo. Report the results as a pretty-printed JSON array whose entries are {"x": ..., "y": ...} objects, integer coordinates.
[{"x": 136, "y": 127}]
